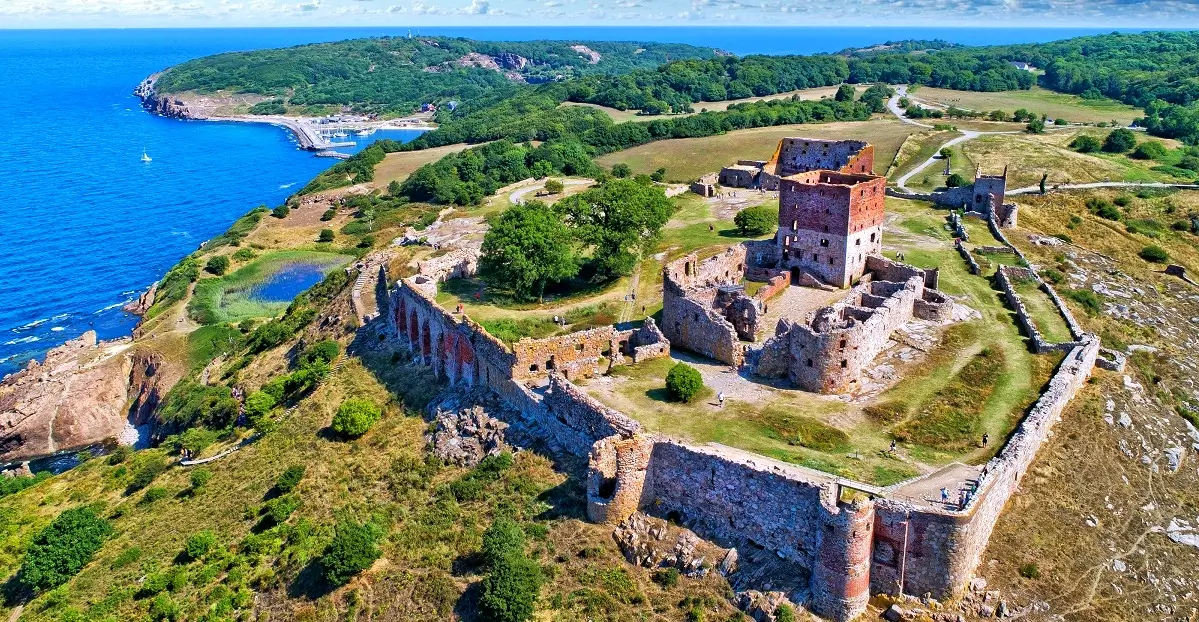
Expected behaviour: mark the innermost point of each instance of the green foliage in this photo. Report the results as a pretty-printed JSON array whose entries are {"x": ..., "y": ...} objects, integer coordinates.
[
  {"x": 290, "y": 478},
  {"x": 190, "y": 403},
  {"x": 956, "y": 180},
  {"x": 163, "y": 607},
  {"x": 120, "y": 454},
  {"x": 325, "y": 236},
  {"x": 279, "y": 509},
  {"x": 325, "y": 351},
  {"x": 259, "y": 404},
  {"x": 281, "y": 212},
  {"x": 1030, "y": 571},
  {"x": 1103, "y": 209},
  {"x": 151, "y": 466},
  {"x": 238, "y": 230},
  {"x": 217, "y": 265},
  {"x": 502, "y": 539},
  {"x": 1119, "y": 141},
  {"x": 355, "y": 416},
  {"x": 667, "y": 577},
  {"x": 12, "y": 485},
  {"x": 784, "y": 613},
  {"x": 1089, "y": 300},
  {"x": 199, "y": 544},
  {"x": 270, "y": 106},
  {"x": 621, "y": 170},
  {"x": 154, "y": 493},
  {"x": 200, "y": 477},
  {"x": 62, "y": 548},
  {"x": 554, "y": 186},
  {"x": 174, "y": 285},
  {"x": 1150, "y": 150},
  {"x": 470, "y": 486},
  {"x": 353, "y": 549},
  {"x": 527, "y": 248},
  {"x": 684, "y": 382},
  {"x": 1036, "y": 126},
  {"x": 618, "y": 221},
  {"x": 1155, "y": 254},
  {"x": 243, "y": 254},
  {"x": 946, "y": 153},
  {"x": 845, "y": 93},
  {"x": 330, "y": 214},
  {"x": 195, "y": 440},
  {"x": 758, "y": 220},
  {"x": 126, "y": 557},
  {"x": 510, "y": 591}
]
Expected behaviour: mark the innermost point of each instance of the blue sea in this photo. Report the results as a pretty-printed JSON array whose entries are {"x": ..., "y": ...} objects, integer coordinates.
[{"x": 88, "y": 226}]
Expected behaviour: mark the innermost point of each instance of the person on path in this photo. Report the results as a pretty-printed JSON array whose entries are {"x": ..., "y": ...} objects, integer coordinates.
[
  {"x": 986, "y": 439},
  {"x": 944, "y": 495},
  {"x": 892, "y": 450},
  {"x": 720, "y": 398}
]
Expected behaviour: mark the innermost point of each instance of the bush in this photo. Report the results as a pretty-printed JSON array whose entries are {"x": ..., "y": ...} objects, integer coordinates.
[
  {"x": 510, "y": 591},
  {"x": 322, "y": 351},
  {"x": 621, "y": 170},
  {"x": 120, "y": 454},
  {"x": 758, "y": 220},
  {"x": 1030, "y": 571},
  {"x": 354, "y": 417},
  {"x": 784, "y": 613},
  {"x": 1089, "y": 300},
  {"x": 1036, "y": 126},
  {"x": 279, "y": 509},
  {"x": 217, "y": 265},
  {"x": 502, "y": 539},
  {"x": 1086, "y": 144},
  {"x": 243, "y": 254},
  {"x": 1150, "y": 150},
  {"x": 1060, "y": 121},
  {"x": 62, "y": 548},
  {"x": 199, "y": 477},
  {"x": 1155, "y": 254},
  {"x": 658, "y": 175},
  {"x": 154, "y": 493},
  {"x": 353, "y": 549},
  {"x": 196, "y": 440},
  {"x": 290, "y": 478},
  {"x": 200, "y": 544},
  {"x": 956, "y": 180},
  {"x": 259, "y": 404},
  {"x": 329, "y": 214},
  {"x": 145, "y": 472},
  {"x": 684, "y": 382},
  {"x": 667, "y": 577},
  {"x": 1119, "y": 141},
  {"x": 163, "y": 608},
  {"x": 325, "y": 236},
  {"x": 281, "y": 212}
]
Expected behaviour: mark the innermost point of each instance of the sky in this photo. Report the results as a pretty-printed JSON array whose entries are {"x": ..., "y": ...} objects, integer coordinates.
[{"x": 415, "y": 13}]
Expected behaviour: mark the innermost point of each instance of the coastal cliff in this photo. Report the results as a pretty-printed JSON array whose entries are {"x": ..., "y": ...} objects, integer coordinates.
[{"x": 163, "y": 105}]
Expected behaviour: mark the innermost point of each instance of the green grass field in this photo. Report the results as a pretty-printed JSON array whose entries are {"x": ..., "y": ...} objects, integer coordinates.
[
  {"x": 229, "y": 298},
  {"x": 1037, "y": 100},
  {"x": 687, "y": 159},
  {"x": 1044, "y": 314}
]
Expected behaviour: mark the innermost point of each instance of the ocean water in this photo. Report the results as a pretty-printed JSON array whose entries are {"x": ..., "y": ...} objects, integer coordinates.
[{"x": 87, "y": 226}]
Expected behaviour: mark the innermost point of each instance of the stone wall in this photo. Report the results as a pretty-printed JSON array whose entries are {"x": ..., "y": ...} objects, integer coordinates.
[
  {"x": 575, "y": 355},
  {"x": 456, "y": 264},
  {"x": 698, "y": 316},
  {"x": 643, "y": 343},
  {"x": 937, "y": 551},
  {"x": 971, "y": 264},
  {"x": 800, "y": 155}
]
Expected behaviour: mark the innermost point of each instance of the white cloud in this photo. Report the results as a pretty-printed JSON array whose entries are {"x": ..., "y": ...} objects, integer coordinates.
[{"x": 478, "y": 7}]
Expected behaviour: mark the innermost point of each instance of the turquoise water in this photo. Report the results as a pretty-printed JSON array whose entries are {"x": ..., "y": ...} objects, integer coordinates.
[{"x": 88, "y": 226}]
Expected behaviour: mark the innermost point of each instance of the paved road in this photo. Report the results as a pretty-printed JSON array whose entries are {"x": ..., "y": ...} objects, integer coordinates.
[
  {"x": 1103, "y": 184},
  {"x": 518, "y": 196}
]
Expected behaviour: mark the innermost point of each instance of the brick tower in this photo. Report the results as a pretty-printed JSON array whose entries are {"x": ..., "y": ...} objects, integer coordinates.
[{"x": 829, "y": 223}]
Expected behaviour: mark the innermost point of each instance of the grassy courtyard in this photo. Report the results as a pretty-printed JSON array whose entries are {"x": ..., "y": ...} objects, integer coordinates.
[{"x": 233, "y": 297}]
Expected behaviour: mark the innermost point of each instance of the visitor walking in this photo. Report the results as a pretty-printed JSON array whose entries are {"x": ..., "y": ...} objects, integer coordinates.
[
  {"x": 892, "y": 450},
  {"x": 944, "y": 495},
  {"x": 720, "y": 398},
  {"x": 986, "y": 439}
]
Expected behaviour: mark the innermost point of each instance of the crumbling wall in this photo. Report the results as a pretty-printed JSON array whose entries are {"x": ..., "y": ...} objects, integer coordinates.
[
  {"x": 1005, "y": 277},
  {"x": 575, "y": 355},
  {"x": 800, "y": 155},
  {"x": 616, "y": 478},
  {"x": 692, "y": 317},
  {"x": 643, "y": 343},
  {"x": 694, "y": 326},
  {"x": 971, "y": 264},
  {"x": 457, "y": 264},
  {"x": 581, "y": 412},
  {"x": 937, "y": 551}
]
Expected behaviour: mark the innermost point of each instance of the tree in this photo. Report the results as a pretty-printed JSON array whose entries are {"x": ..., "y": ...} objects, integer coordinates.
[
  {"x": 956, "y": 180},
  {"x": 758, "y": 220},
  {"x": 1086, "y": 143},
  {"x": 217, "y": 265},
  {"x": 510, "y": 591},
  {"x": 326, "y": 235},
  {"x": 528, "y": 248},
  {"x": 62, "y": 548},
  {"x": 259, "y": 404},
  {"x": 1036, "y": 126},
  {"x": 845, "y": 93},
  {"x": 1150, "y": 150},
  {"x": 281, "y": 212},
  {"x": 553, "y": 186},
  {"x": 355, "y": 416},
  {"x": 195, "y": 440},
  {"x": 503, "y": 538},
  {"x": 619, "y": 220},
  {"x": 1060, "y": 121},
  {"x": 1120, "y": 140},
  {"x": 290, "y": 478},
  {"x": 658, "y": 175},
  {"x": 353, "y": 549},
  {"x": 621, "y": 170},
  {"x": 684, "y": 382},
  {"x": 329, "y": 214},
  {"x": 947, "y": 153}
]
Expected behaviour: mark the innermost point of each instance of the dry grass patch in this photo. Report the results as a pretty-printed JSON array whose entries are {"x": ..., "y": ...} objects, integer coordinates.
[
  {"x": 398, "y": 166},
  {"x": 1036, "y": 100}
]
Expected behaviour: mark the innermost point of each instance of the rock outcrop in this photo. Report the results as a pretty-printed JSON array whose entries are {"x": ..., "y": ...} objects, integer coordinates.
[
  {"x": 467, "y": 436},
  {"x": 160, "y": 104},
  {"x": 143, "y": 302}
]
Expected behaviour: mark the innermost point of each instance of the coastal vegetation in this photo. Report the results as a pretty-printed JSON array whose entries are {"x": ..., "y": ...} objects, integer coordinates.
[{"x": 237, "y": 296}]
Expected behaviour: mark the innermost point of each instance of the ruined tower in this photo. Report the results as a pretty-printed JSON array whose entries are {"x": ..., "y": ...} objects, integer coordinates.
[{"x": 829, "y": 223}]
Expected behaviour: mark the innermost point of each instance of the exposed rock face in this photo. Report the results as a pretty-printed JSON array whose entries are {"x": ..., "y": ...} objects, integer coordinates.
[
  {"x": 467, "y": 436},
  {"x": 75, "y": 398},
  {"x": 143, "y": 302},
  {"x": 162, "y": 105},
  {"x": 508, "y": 60}
]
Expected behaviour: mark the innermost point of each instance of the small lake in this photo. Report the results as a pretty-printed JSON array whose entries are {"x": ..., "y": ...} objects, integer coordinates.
[{"x": 290, "y": 280}]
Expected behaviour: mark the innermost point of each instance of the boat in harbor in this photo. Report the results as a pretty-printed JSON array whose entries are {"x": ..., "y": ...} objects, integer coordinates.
[{"x": 145, "y": 156}]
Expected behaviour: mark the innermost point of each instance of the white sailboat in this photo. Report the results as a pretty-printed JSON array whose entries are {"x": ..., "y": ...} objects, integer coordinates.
[{"x": 145, "y": 156}]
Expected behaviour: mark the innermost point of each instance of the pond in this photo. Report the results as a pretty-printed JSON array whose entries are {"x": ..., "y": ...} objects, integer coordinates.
[{"x": 289, "y": 280}]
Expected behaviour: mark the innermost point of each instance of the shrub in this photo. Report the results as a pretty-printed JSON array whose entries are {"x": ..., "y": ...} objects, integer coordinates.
[
  {"x": 199, "y": 544},
  {"x": 290, "y": 478},
  {"x": 325, "y": 236},
  {"x": 281, "y": 212},
  {"x": 621, "y": 170},
  {"x": 62, "y": 548},
  {"x": 1036, "y": 126},
  {"x": 199, "y": 477},
  {"x": 1123, "y": 200},
  {"x": 1150, "y": 150},
  {"x": 1119, "y": 141},
  {"x": 1155, "y": 254},
  {"x": 154, "y": 493},
  {"x": 367, "y": 241},
  {"x": 196, "y": 440},
  {"x": 667, "y": 577},
  {"x": 243, "y": 254},
  {"x": 353, "y": 549},
  {"x": 126, "y": 557},
  {"x": 658, "y": 175},
  {"x": 1089, "y": 300},
  {"x": 217, "y": 265},
  {"x": 145, "y": 472},
  {"x": 757, "y": 220},
  {"x": 1086, "y": 144},
  {"x": 120, "y": 454},
  {"x": 554, "y": 186},
  {"x": 784, "y": 613},
  {"x": 163, "y": 608},
  {"x": 684, "y": 382},
  {"x": 329, "y": 214},
  {"x": 1060, "y": 121},
  {"x": 1030, "y": 571},
  {"x": 322, "y": 351},
  {"x": 279, "y": 509},
  {"x": 1054, "y": 276},
  {"x": 259, "y": 404},
  {"x": 510, "y": 591},
  {"x": 956, "y": 180},
  {"x": 355, "y": 416},
  {"x": 503, "y": 538}
]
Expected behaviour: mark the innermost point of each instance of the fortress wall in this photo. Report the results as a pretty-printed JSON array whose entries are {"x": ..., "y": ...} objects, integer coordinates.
[
  {"x": 1005, "y": 277},
  {"x": 689, "y": 320},
  {"x": 694, "y": 326},
  {"x": 798, "y": 155},
  {"x": 575, "y": 355},
  {"x": 971, "y": 264},
  {"x": 944, "y": 548}
]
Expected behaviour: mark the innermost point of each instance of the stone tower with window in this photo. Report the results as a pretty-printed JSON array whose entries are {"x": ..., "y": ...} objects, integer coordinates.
[{"x": 829, "y": 223}]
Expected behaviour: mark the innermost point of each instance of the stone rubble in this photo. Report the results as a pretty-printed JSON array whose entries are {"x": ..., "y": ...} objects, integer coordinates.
[{"x": 466, "y": 436}]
